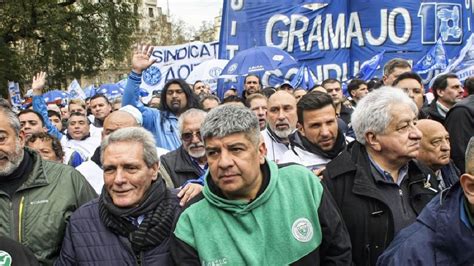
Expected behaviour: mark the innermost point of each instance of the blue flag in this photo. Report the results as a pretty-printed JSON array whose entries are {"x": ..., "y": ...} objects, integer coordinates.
[
  {"x": 435, "y": 59},
  {"x": 368, "y": 68},
  {"x": 304, "y": 78},
  {"x": 463, "y": 65}
]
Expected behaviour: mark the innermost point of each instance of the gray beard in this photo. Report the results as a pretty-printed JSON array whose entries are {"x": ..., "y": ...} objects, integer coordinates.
[
  {"x": 17, "y": 158},
  {"x": 283, "y": 133}
]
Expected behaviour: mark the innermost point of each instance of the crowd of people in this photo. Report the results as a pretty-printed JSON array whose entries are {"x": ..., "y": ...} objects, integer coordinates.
[{"x": 273, "y": 176}]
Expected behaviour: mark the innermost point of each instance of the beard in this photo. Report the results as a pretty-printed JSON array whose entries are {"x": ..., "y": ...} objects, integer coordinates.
[
  {"x": 13, "y": 160},
  {"x": 283, "y": 133},
  {"x": 194, "y": 153}
]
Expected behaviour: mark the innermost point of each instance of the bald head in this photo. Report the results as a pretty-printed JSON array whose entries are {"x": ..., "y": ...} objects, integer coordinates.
[
  {"x": 434, "y": 147},
  {"x": 281, "y": 113},
  {"x": 116, "y": 120}
]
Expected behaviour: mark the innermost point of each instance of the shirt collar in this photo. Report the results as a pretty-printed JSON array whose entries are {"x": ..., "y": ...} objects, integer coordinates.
[
  {"x": 443, "y": 110},
  {"x": 402, "y": 172}
]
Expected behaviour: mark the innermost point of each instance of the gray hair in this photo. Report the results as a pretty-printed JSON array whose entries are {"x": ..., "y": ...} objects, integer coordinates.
[
  {"x": 228, "y": 119},
  {"x": 470, "y": 157},
  {"x": 12, "y": 119},
  {"x": 193, "y": 112},
  {"x": 133, "y": 134},
  {"x": 373, "y": 112}
]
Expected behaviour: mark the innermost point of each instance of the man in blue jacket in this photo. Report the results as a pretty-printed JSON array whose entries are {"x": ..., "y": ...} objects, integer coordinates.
[
  {"x": 444, "y": 232},
  {"x": 176, "y": 97}
]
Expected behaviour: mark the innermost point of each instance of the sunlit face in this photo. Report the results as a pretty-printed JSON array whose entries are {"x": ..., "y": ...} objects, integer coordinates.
[
  {"x": 281, "y": 114},
  {"x": 390, "y": 78},
  {"x": 335, "y": 90},
  {"x": 78, "y": 127},
  {"x": 100, "y": 108},
  {"x": 56, "y": 121},
  {"x": 452, "y": 94},
  {"x": 414, "y": 89},
  {"x": 259, "y": 108},
  {"x": 191, "y": 137},
  {"x": 11, "y": 147},
  {"x": 65, "y": 112},
  {"x": 435, "y": 147},
  {"x": 200, "y": 88},
  {"x": 252, "y": 85},
  {"x": 234, "y": 163},
  {"x": 320, "y": 127},
  {"x": 401, "y": 139},
  {"x": 298, "y": 94},
  {"x": 360, "y": 92},
  {"x": 176, "y": 98},
  {"x": 126, "y": 176},
  {"x": 45, "y": 149},
  {"x": 76, "y": 108},
  {"x": 30, "y": 124}
]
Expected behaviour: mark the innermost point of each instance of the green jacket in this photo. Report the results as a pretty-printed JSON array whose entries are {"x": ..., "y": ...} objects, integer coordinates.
[{"x": 37, "y": 214}]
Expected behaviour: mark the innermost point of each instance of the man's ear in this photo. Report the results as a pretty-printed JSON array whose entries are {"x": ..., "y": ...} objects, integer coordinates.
[
  {"x": 155, "y": 169},
  {"x": 372, "y": 141},
  {"x": 262, "y": 151},
  {"x": 22, "y": 138},
  {"x": 300, "y": 128},
  {"x": 467, "y": 184}
]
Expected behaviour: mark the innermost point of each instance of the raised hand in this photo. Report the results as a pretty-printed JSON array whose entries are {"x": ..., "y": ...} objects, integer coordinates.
[
  {"x": 39, "y": 81},
  {"x": 141, "y": 58}
]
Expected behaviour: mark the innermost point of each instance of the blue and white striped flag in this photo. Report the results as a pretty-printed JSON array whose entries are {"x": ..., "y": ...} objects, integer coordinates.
[
  {"x": 435, "y": 59},
  {"x": 14, "y": 91}
]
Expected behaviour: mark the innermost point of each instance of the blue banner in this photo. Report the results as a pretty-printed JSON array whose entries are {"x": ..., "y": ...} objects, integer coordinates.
[{"x": 335, "y": 37}]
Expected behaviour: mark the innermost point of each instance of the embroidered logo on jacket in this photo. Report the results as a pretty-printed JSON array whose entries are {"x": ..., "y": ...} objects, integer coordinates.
[
  {"x": 302, "y": 230},
  {"x": 5, "y": 258}
]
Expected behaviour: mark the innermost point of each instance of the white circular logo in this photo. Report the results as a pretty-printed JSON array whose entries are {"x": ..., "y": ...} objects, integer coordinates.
[
  {"x": 302, "y": 230},
  {"x": 232, "y": 68},
  {"x": 5, "y": 258}
]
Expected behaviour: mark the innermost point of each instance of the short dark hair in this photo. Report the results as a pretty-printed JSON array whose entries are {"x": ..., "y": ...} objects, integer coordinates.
[
  {"x": 77, "y": 114},
  {"x": 253, "y": 75},
  {"x": 407, "y": 75},
  {"x": 469, "y": 85},
  {"x": 100, "y": 95},
  {"x": 55, "y": 143},
  {"x": 28, "y": 111},
  {"x": 233, "y": 99},
  {"x": 354, "y": 85},
  {"x": 390, "y": 66},
  {"x": 329, "y": 81},
  {"x": 52, "y": 113},
  {"x": 441, "y": 82},
  {"x": 313, "y": 101},
  {"x": 191, "y": 98}
]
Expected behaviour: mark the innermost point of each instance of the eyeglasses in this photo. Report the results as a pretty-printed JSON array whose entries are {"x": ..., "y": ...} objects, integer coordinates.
[{"x": 189, "y": 135}]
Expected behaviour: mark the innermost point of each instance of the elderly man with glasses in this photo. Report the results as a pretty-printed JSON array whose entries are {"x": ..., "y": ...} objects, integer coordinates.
[{"x": 188, "y": 162}]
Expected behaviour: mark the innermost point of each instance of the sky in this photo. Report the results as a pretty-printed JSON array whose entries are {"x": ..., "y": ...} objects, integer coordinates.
[{"x": 193, "y": 12}]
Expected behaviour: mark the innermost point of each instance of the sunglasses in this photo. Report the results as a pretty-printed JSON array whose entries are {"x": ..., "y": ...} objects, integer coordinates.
[{"x": 189, "y": 136}]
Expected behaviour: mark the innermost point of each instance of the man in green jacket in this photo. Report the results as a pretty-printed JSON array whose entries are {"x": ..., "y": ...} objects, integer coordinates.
[
  {"x": 252, "y": 211},
  {"x": 36, "y": 196}
]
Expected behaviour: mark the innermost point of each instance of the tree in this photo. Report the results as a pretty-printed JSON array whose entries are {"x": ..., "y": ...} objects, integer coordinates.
[
  {"x": 206, "y": 32},
  {"x": 66, "y": 39}
]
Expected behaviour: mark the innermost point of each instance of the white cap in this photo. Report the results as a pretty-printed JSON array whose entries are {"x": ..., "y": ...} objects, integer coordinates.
[{"x": 134, "y": 112}]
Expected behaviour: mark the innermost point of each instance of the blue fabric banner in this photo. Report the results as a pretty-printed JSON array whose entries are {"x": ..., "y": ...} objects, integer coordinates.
[{"x": 335, "y": 37}]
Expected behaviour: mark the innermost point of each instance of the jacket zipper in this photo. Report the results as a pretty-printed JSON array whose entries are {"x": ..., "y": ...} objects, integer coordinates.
[
  {"x": 20, "y": 218},
  {"x": 400, "y": 192},
  {"x": 16, "y": 206}
]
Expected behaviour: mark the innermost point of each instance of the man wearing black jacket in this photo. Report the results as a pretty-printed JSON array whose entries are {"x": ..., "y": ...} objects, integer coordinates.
[{"x": 377, "y": 185}]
